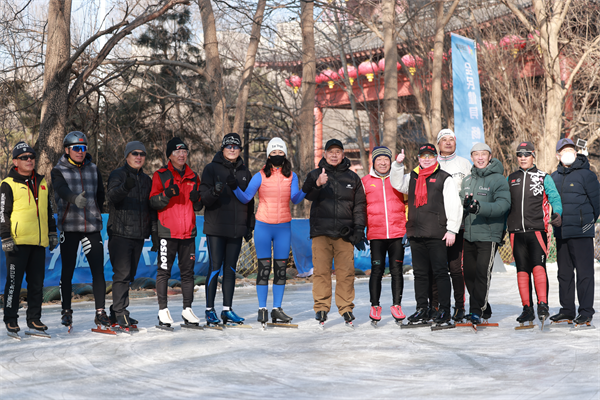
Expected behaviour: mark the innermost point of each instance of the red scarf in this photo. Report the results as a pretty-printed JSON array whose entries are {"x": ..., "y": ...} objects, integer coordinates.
[{"x": 421, "y": 186}]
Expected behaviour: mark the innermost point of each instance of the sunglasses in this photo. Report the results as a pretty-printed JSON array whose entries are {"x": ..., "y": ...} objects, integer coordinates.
[
  {"x": 524, "y": 154},
  {"x": 138, "y": 154},
  {"x": 78, "y": 148},
  {"x": 26, "y": 158},
  {"x": 232, "y": 147},
  {"x": 427, "y": 156}
]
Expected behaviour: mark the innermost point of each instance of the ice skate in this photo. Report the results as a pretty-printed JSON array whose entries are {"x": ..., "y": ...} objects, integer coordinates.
[
  {"x": 420, "y": 318},
  {"x": 561, "y": 318},
  {"x": 348, "y": 318},
  {"x": 112, "y": 316},
  {"x": 459, "y": 314},
  {"x": 133, "y": 324},
  {"x": 212, "y": 321},
  {"x": 543, "y": 313},
  {"x": 263, "y": 317},
  {"x": 190, "y": 320},
  {"x": 397, "y": 314},
  {"x": 442, "y": 320},
  {"x": 281, "y": 319},
  {"x": 37, "y": 329},
  {"x": 67, "y": 319},
  {"x": 321, "y": 316},
  {"x": 12, "y": 327},
  {"x": 232, "y": 320},
  {"x": 101, "y": 319},
  {"x": 581, "y": 323},
  {"x": 123, "y": 324},
  {"x": 164, "y": 320},
  {"x": 375, "y": 315},
  {"x": 526, "y": 316}
]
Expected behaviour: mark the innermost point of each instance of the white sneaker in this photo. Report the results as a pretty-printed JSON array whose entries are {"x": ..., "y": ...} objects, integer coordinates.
[
  {"x": 164, "y": 316},
  {"x": 189, "y": 316}
]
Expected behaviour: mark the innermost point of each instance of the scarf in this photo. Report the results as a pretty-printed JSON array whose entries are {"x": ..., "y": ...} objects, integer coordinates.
[{"x": 421, "y": 186}]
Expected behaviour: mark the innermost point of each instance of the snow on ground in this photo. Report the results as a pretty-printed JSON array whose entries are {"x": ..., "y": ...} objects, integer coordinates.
[{"x": 383, "y": 362}]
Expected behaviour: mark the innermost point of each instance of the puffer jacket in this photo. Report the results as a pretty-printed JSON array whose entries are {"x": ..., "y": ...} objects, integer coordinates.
[
  {"x": 386, "y": 216},
  {"x": 129, "y": 212},
  {"x": 580, "y": 194},
  {"x": 490, "y": 188},
  {"x": 340, "y": 203}
]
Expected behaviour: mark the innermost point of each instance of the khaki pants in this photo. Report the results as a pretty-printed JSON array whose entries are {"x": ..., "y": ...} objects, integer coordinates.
[{"x": 324, "y": 251}]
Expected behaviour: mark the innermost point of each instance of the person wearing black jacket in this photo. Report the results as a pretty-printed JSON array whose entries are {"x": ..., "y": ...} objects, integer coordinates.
[
  {"x": 226, "y": 221},
  {"x": 338, "y": 216},
  {"x": 130, "y": 222}
]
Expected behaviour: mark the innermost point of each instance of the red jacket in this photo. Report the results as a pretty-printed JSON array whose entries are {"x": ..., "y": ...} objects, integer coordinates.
[
  {"x": 176, "y": 217},
  {"x": 386, "y": 214}
]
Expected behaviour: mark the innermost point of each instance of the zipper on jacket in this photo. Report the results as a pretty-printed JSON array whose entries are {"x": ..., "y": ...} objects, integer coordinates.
[
  {"x": 84, "y": 213},
  {"x": 387, "y": 225},
  {"x": 37, "y": 207},
  {"x": 523, "y": 200}
]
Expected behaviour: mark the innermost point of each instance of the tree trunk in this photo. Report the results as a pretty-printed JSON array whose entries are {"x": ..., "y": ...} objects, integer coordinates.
[
  {"x": 214, "y": 74},
  {"x": 436, "y": 71},
  {"x": 390, "y": 77},
  {"x": 56, "y": 86},
  {"x": 242, "y": 100}
]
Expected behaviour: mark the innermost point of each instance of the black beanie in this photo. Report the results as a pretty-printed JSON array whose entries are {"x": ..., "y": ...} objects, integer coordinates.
[
  {"x": 231, "y": 138},
  {"x": 22, "y": 148},
  {"x": 175, "y": 144}
]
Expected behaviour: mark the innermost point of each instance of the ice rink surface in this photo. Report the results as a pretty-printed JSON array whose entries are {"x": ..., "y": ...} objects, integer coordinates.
[{"x": 306, "y": 363}]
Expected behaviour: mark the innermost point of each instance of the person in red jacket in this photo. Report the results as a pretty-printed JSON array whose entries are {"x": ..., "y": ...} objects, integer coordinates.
[
  {"x": 175, "y": 196},
  {"x": 386, "y": 226}
]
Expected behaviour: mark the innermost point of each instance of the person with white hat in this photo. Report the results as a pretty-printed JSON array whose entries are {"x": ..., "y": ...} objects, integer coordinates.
[{"x": 276, "y": 185}]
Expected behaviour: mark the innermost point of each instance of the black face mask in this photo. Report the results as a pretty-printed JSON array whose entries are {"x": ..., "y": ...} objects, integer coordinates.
[{"x": 277, "y": 160}]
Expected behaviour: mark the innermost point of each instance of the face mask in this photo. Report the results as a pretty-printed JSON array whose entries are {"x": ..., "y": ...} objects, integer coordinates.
[
  {"x": 568, "y": 158},
  {"x": 277, "y": 160}
]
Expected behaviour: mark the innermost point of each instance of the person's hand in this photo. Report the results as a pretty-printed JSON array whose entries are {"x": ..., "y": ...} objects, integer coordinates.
[
  {"x": 231, "y": 182},
  {"x": 358, "y": 238},
  {"x": 129, "y": 182},
  {"x": 155, "y": 242},
  {"x": 248, "y": 236},
  {"x": 474, "y": 207},
  {"x": 308, "y": 185},
  {"x": 449, "y": 237},
  {"x": 52, "y": 241},
  {"x": 467, "y": 201},
  {"x": 556, "y": 220},
  {"x": 9, "y": 245},
  {"x": 218, "y": 188},
  {"x": 400, "y": 157},
  {"x": 80, "y": 200},
  {"x": 172, "y": 190},
  {"x": 194, "y": 196},
  {"x": 322, "y": 179}
]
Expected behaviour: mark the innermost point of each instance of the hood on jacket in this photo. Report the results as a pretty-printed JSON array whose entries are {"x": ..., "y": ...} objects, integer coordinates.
[
  {"x": 581, "y": 162},
  {"x": 220, "y": 159},
  {"x": 65, "y": 160},
  {"x": 494, "y": 167},
  {"x": 20, "y": 178},
  {"x": 341, "y": 167}
]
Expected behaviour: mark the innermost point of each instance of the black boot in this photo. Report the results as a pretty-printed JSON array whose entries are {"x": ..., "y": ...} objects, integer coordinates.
[
  {"x": 101, "y": 318},
  {"x": 527, "y": 315},
  {"x": 67, "y": 317},
  {"x": 487, "y": 314},
  {"x": 123, "y": 321},
  {"x": 348, "y": 316},
  {"x": 459, "y": 314},
  {"x": 421, "y": 315},
  {"x": 321, "y": 316},
  {"x": 581, "y": 320},
  {"x": 442, "y": 316},
  {"x": 543, "y": 311},
  {"x": 277, "y": 314},
  {"x": 12, "y": 326},
  {"x": 112, "y": 316},
  {"x": 37, "y": 325},
  {"x": 562, "y": 317},
  {"x": 263, "y": 315}
]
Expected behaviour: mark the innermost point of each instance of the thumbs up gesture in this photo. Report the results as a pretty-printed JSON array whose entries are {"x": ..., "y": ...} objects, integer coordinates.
[
  {"x": 322, "y": 179},
  {"x": 400, "y": 157}
]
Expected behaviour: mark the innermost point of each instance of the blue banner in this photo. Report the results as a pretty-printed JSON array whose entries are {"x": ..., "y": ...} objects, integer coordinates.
[
  {"x": 301, "y": 249},
  {"x": 468, "y": 113}
]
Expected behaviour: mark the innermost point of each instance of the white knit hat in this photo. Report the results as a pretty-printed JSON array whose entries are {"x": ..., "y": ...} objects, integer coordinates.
[
  {"x": 276, "y": 144},
  {"x": 445, "y": 132}
]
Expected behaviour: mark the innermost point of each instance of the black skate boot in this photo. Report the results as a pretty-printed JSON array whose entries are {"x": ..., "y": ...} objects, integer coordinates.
[
  {"x": 112, "y": 316},
  {"x": 560, "y": 317},
  {"x": 67, "y": 318},
  {"x": 442, "y": 320},
  {"x": 526, "y": 316},
  {"x": 487, "y": 313},
  {"x": 321, "y": 316},
  {"x": 133, "y": 323},
  {"x": 101, "y": 319},
  {"x": 124, "y": 323},
  {"x": 13, "y": 327},
  {"x": 38, "y": 328},
  {"x": 459, "y": 314},
  {"x": 263, "y": 317},
  {"x": 277, "y": 315},
  {"x": 582, "y": 322},
  {"x": 348, "y": 318},
  {"x": 543, "y": 313},
  {"x": 419, "y": 316}
]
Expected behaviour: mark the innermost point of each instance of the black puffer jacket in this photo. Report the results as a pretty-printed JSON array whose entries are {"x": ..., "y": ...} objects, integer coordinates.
[
  {"x": 129, "y": 214},
  {"x": 340, "y": 202},
  {"x": 225, "y": 215}
]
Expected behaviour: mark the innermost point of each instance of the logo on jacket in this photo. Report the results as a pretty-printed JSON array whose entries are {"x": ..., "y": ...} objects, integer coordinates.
[
  {"x": 537, "y": 182},
  {"x": 372, "y": 184},
  {"x": 432, "y": 180},
  {"x": 163, "y": 253},
  {"x": 348, "y": 186},
  {"x": 43, "y": 187}
]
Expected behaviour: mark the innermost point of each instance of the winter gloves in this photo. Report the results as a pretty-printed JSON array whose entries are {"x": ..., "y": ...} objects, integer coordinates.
[
  {"x": 556, "y": 220},
  {"x": 218, "y": 188},
  {"x": 172, "y": 190},
  {"x": 52, "y": 240},
  {"x": 80, "y": 200},
  {"x": 231, "y": 182},
  {"x": 9, "y": 245},
  {"x": 471, "y": 205}
]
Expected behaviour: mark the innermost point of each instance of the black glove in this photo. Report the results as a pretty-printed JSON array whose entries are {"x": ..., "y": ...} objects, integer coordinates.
[
  {"x": 474, "y": 207},
  {"x": 218, "y": 189},
  {"x": 129, "y": 182},
  {"x": 9, "y": 245},
  {"x": 155, "y": 242},
  {"x": 467, "y": 201},
  {"x": 248, "y": 236},
  {"x": 556, "y": 220},
  {"x": 52, "y": 240},
  {"x": 346, "y": 232},
  {"x": 358, "y": 238},
  {"x": 172, "y": 190},
  {"x": 231, "y": 182},
  {"x": 308, "y": 185},
  {"x": 194, "y": 196}
]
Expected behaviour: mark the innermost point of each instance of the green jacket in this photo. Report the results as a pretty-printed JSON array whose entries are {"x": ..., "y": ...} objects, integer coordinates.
[{"x": 491, "y": 190}]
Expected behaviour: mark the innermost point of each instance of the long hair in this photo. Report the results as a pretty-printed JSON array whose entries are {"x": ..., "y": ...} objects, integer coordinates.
[{"x": 286, "y": 168}]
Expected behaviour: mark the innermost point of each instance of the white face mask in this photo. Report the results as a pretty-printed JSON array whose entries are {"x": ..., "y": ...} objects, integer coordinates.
[{"x": 568, "y": 158}]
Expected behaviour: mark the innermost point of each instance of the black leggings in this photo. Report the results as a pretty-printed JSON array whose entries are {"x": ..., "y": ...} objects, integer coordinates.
[
  {"x": 184, "y": 250},
  {"x": 395, "y": 249},
  {"x": 93, "y": 249},
  {"x": 222, "y": 252}
]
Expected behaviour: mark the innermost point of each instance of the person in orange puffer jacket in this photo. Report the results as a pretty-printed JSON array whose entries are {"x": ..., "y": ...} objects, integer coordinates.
[
  {"x": 276, "y": 185},
  {"x": 386, "y": 227}
]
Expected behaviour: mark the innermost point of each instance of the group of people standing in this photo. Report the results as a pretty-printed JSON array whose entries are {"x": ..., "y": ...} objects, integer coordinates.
[{"x": 454, "y": 215}]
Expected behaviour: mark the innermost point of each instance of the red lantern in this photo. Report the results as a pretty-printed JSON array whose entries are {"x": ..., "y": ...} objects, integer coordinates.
[
  {"x": 381, "y": 65},
  {"x": 329, "y": 76},
  {"x": 369, "y": 69},
  {"x": 352, "y": 73},
  {"x": 513, "y": 43},
  {"x": 294, "y": 82},
  {"x": 412, "y": 62}
]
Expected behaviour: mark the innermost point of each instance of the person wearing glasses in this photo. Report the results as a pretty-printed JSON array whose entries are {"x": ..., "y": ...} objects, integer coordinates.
[
  {"x": 532, "y": 192},
  {"x": 226, "y": 221},
  {"x": 276, "y": 185},
  {"x": 175, "y": 196},
  {"x": 486, "y": 202},
  {"x": 27, "y": 226},
  {"x": 130, "y": 222},
  {"x": 79, "y": 195},
  {"x": 434, "y": 218}
]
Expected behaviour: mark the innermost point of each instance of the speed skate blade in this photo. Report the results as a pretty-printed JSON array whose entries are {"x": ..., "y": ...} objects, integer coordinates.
[
  {"x": 165, "y": 328},
  {"x": 582, "y": 327},
  {"x": 282, "y": 325},
  {"x": 441, "y": 327},
  {"x": 106, "y": 331},
  {"x": 237, "y": 326},
  {"x": 523, "y": 326},
  {"x": 374, "y": 323},
  {"x": 192, "y": 326},
  {"x": 349, "y": 325},
  {"x": 415, "y": 325},
  {"x": 13, "y": 335},
  {"x": 39, "y": 334},
  {"x": 214, "y": 327}
]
